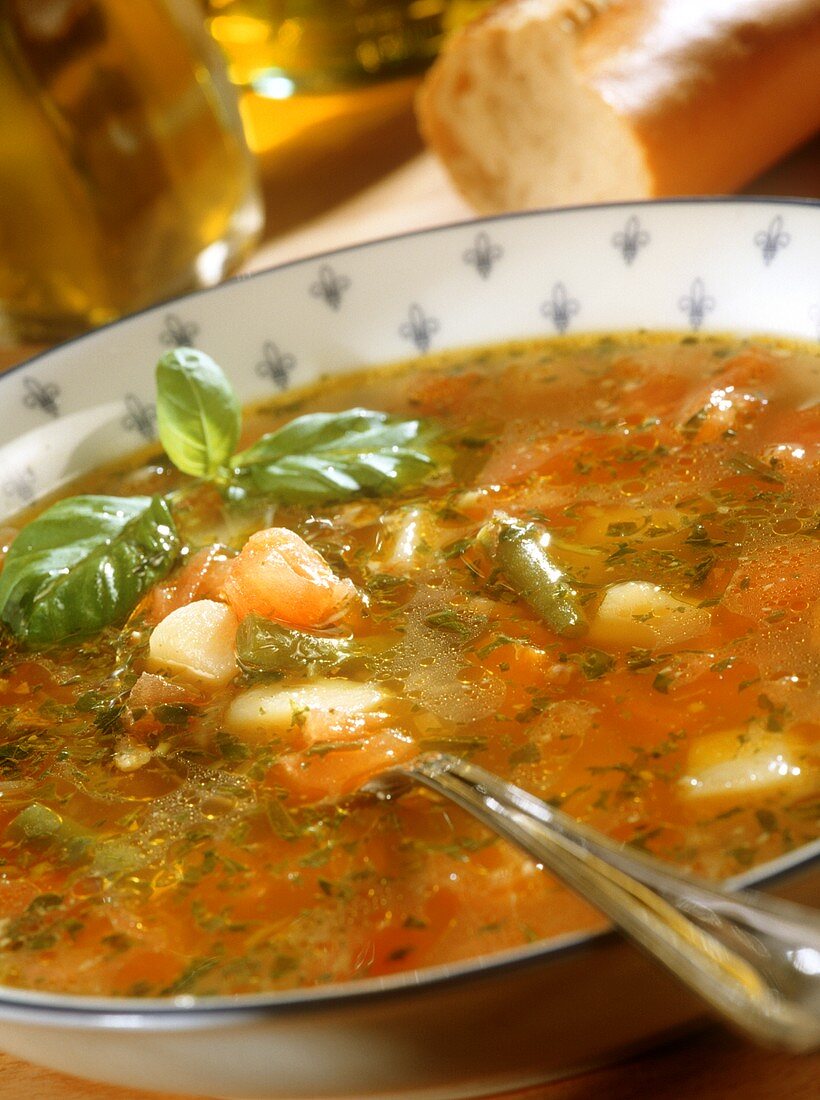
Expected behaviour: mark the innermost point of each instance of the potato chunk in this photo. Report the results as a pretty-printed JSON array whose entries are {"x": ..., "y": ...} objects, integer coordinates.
[
  {"x": 744, "y": 762},
  {"x": 270, "y": 709},
  {"x": 637, "y": 613},
  {"x": 197, "y": 642}
]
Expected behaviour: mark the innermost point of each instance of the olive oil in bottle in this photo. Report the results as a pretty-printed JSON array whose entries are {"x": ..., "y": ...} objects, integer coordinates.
[{"x": 124, "y": 176}]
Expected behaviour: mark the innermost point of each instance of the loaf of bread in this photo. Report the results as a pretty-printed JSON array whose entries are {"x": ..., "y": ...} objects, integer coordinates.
[{"x": 554, "y": 102}]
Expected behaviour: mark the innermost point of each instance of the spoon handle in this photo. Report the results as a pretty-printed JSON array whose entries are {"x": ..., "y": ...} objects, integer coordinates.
[{"x": 755, "y": 959}]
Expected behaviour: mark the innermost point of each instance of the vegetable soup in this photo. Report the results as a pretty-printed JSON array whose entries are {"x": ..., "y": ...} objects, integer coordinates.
[{"x": 591, "y": 565}]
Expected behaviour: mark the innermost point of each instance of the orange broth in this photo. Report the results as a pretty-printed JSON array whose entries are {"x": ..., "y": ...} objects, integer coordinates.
[{"x": 182, "y": 858}]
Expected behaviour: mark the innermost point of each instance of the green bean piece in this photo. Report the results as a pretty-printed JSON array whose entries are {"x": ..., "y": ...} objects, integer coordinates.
[{"x": 524, "y": 559}]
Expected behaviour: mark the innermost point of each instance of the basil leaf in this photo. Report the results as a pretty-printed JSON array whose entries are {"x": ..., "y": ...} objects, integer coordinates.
[
  {"x": 83, "y": 564},
  {"x": 266, "y": 646},
  {"x": 198, "y": 413},
  {"x": 333, "y": 456}
]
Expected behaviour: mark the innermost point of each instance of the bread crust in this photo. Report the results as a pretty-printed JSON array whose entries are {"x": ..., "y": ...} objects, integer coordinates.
[{"x": 548, "y": 102}]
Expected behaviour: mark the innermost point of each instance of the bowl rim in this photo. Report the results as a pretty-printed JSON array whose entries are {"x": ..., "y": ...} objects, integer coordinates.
[
  {"x": 536, "y": 214},
  {"x": 186, "y": 1012}
]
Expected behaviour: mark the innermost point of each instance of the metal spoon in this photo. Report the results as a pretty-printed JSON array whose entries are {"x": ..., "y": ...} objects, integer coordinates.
[{"x": 753, "y": 958}]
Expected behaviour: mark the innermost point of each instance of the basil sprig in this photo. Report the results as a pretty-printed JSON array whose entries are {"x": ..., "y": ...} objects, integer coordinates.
[
  {"x": 317, "y": 458},
  {"x": 86, "y": 562}
]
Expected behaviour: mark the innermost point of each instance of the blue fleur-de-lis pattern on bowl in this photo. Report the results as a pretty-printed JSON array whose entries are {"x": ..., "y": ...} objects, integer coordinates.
[
  {"x": 330, "y": 287},
  {"x": 140, "y": 417},
  {"x": 772, "y": 239},
  {"x": 631, "y": 239},
  {"x": 178, "y": 333},
  {"x": 275, "y": 365},
  {"x": 419, "y": 328},
  {"x": 696, "y": 304},
  {"x": 483, "y": 255},
  {"x": 560, "y": 308},
  {"x": 42, "y": 395},
  {"x": 453, "y": 287},
  {"x": 21, "y": 485}
]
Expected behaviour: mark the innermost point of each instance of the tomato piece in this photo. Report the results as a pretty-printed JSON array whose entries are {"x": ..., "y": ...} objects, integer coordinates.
[
  {"x": 335, "y": 769},
  {"x": 200, "y": 578},
  {"x": 280, "y": 576}
]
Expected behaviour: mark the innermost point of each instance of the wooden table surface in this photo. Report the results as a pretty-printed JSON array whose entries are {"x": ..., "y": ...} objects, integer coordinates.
[{"x": 362, "y": 175}]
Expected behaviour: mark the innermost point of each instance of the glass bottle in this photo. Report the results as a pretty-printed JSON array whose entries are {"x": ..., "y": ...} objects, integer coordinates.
[{"x": 125, "y": 178}]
